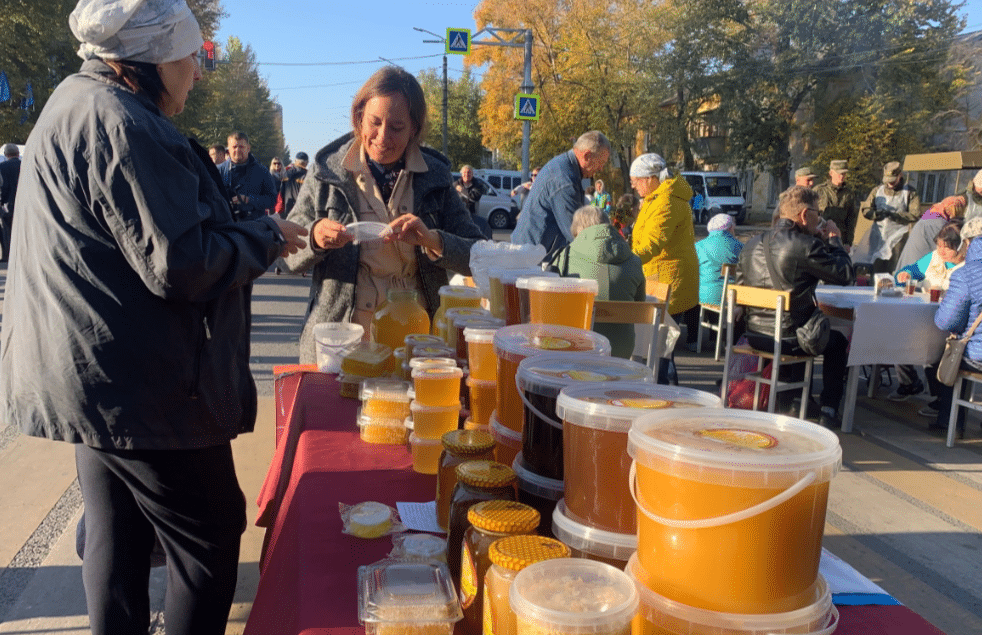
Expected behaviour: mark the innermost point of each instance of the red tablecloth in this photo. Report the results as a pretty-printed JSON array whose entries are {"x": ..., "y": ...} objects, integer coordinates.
[{"x": 309, "y": 568}]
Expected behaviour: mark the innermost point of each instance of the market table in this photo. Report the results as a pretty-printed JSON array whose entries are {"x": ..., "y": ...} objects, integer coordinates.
[
  {"x": 886, "y": 330},
  {"x": 308, "y": 582}
]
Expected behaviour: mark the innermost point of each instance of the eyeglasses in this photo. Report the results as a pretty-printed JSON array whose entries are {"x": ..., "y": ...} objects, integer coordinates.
[
  {"x": 277, "y": 163},
  {"x": 535, "y": 174}
]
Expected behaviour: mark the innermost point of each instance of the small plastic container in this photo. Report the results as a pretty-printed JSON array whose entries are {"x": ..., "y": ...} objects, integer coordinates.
[
  {"x": 563, "y": 301},
  {"x": 426, "y": 454},
  {"x": 367, "y": 233},
  {"x": 418, "y": 547},
  {"x": 522, "y": 290},
  {"x": 590, "y": 542},
  {"x": 396, "y": 597},
  {"x": 421, "y": 339},
  {"x": 438, "y": 386},
  {"x": 539, "y": 492},
  {"x": 449, "y": 333},
  {"x": 464, "y": 322},
  {"x": 332, "y": 341},
  {"x": 385, "y": 398},
  {"x": 399, "y": 359},
  {"x": 508, "y": 556},
  {"x": 369, "y": 520},
  {"x": 367, "y": 359},
  {"x": 382, "y": 431},
  {"x": 509, "y": 292},
  {"x": 508, "y": 442},
  {"x": 480, "y": 353},
  {"x": 432, "y": 362},
  {"x": 571, "y": 596},
  {"x": 454, "y": 297},
  {"x": 350, "y": 385},
  {"x": 432, "y": 422},
  {"x": 483, "y": 398}
]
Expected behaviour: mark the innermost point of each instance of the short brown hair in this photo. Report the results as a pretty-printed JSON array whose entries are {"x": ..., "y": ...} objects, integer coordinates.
[
  {"x": 140, "y": 77},
  {"x": 794, "y": 198},
  {"x": 391, "y": 80}
]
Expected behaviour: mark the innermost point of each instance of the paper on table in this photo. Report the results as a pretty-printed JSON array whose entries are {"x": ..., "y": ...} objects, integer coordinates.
[
  {"x": 844, "y": 580},
  {"x": 419, "y": 516}
]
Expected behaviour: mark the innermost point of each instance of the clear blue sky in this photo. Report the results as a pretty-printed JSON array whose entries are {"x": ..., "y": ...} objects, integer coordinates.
[{"x": 316, "y": 99}]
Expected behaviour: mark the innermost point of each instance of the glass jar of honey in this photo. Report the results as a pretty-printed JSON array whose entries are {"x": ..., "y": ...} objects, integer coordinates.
[
  {"x": 458, "y": 446},
  {"x": 508, "y": 556},
  {"x": 477, "y": 481},
  {"x": 402, "y": 315}
]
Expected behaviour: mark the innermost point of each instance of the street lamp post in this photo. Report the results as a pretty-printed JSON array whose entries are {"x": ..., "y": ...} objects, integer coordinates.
[{"x": 443, "y": 41}]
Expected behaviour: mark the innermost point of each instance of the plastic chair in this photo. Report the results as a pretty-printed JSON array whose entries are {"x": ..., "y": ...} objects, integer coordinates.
[
  {"x": 778, "y": 301},
  {"x": 956, "y": 401},
  {"x": 727, "y": 270},
  {"x": 650, "y": 312}
]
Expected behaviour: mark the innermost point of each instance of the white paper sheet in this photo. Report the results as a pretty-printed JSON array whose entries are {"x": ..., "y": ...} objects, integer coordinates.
[
  {"x": 419, "y": 516},
  {"x": 842, "y": 578}
]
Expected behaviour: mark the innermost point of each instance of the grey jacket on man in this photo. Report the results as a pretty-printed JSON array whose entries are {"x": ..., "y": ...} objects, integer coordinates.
[
  {"x": 330, "y": 192},
  {"x": 124, "y": 320}
]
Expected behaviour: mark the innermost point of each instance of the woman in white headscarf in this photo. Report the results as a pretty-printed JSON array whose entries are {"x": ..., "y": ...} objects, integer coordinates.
[{"x": 124, "y": 331}]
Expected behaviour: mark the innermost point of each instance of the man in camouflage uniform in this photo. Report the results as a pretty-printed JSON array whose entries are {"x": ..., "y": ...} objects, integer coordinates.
[
  {"x": 837, "y": 201},
  {"x": 893, "y": 207}
]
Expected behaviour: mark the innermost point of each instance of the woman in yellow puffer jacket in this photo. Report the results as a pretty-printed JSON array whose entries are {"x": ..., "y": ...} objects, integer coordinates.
[{"x": 664, "y": 237}]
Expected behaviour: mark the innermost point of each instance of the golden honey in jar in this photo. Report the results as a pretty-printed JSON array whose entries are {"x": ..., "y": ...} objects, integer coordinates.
[
  {"x": 402, "y": 315},
  {"x": 454, "y": 297},
  {"x": 477, "y": 481},
  {"x": 483, "y": 398},
  {"x": 508, "y": 556},
  {"x": 458, "y": 446},
  {"x": 564, "y": 301},
  {"x": 432, "y": 422},
  {"x": 480, "y": 353},
  {"x": 489, "y": 521},
  {"x": 438, "y": 385}
]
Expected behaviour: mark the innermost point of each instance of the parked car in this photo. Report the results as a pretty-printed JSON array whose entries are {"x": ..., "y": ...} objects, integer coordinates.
[
  {"x": 495, "y": 206},
  {"x": 720, "y": 192}
]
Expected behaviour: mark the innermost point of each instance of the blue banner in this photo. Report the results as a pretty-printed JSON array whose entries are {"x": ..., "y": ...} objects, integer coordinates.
[{"x": 4, "y": 87}]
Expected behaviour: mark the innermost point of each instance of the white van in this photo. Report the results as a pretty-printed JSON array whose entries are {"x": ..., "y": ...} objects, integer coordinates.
[
  {"x": 720, "y": 192},
  {"x": 503, "y": 180},
  {"x": 495, "y": 205}
]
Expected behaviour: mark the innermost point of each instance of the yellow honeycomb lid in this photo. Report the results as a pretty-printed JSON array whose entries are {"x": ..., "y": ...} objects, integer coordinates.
[
  {"x": 504, "y": 517},
  {"x": 468, "y": 442},
  {"x": 517, "y": 552},
  {"x": 485, "y": 474}
]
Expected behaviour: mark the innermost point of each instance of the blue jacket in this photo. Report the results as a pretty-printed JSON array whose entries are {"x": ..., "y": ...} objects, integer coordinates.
[
  {"x": 963, "y": 301},
  {"x": 918, "y": 270},
  {"x": 549, "y": 207},
  {"x": 714, "y": 251},
  {"x": 251, "y": 179}
]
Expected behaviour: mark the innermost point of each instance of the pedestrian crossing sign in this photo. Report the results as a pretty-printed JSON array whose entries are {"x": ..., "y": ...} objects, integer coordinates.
[
  {"x": 527, "y": 107},
  {"x": 458, "y": 41}
]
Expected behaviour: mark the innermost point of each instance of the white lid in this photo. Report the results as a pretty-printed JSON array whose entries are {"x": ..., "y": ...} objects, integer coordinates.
[
  {"x": 616, "y": 406},
  {"x": 523, "y": 281},
  {"x": 518, "y": 341},
  {"x": 367, "y": 231},
  {"x": 510, "y": 276},
  {"x": 563, "y": 285},
  {"x": 481, "y": 383},
  {"x": 427, "y": 362},
  {"x": 452, "y": 314},
  {"x": 370, "y": 514},
  {"x": 437, "y": 372},
  {"x": 536, "y": 484},
  {"x": 574, "y": 596},
  {"x": 596, "y": 542},
  {"x": 479, "y": 334},
  {"x": 547, "y": 373},
  {"x": 476, "y": 321},
  {"x": 338, "y": 333}
]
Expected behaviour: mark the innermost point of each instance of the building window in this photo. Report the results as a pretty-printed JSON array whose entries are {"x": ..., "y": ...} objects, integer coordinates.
[{"x": 931, "y": 186}]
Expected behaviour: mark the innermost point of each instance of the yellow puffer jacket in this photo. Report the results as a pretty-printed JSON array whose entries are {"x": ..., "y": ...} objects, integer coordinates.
[{"x": 665, "y": 240}]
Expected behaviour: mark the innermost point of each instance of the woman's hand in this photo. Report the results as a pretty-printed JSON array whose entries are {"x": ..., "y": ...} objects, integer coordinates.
[
  {"x": 292, "y": 233},
  {"x": 410, "y": 229},
  {"x": 330, "y": 234}
]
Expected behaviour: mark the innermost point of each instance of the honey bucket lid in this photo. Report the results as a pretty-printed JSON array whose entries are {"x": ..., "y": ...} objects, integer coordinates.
[
  {"x": 547, "y": 373},
  {"x": 725, "y": 446},
  {"x": 504, "y": 517},
  {"x": 676, "y": 618},
  {"x": 459, "y": 291},
  {"x": 518, "y": 341},
  {"x": 511, "y": 276},
  {"x": 517, "y": 552},
  {"x": 477, "y": 321},
  {"x": 613, "y": 407},
  {"x": 485, "y": 474},
  {"x": 419, "y": 339},
  {"x": 536, "y": 484},
  {"x": 480, "y": 334},
  {"x": 450, "y": 314},
  {"x": 503, "y": 434},
  {"x": 523, "y": 281},
  {"x": 596, "y": 542},
  {"x": 564, "y": 285},
  {"x": 468, "y": 442}
]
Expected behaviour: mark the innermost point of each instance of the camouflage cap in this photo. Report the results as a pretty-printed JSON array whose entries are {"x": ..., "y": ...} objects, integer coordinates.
[
  {"x": 892, "y": 172},
  {"x": 839, "y": 166},
  {"x": 802, "y": 173}
]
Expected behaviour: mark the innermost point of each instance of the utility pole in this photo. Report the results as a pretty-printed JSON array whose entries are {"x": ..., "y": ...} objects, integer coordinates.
[{"x": 443, "y": 41}]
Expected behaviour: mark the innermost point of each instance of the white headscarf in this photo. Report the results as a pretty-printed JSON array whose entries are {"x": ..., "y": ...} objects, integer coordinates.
[
  {"x": 719, "y": 222},
  {"x": 650, "y": 164},
  {"x": 152, "y": 31}
]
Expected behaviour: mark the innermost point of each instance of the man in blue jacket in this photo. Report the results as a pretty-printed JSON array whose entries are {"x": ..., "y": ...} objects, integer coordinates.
[
  {"x": 548, "y": 209},
  {"x": 251, "y": 186}
]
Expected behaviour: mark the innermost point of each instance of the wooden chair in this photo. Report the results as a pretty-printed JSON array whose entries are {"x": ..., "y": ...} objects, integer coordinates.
[
  {"x": 727, "y": 270},
  {"x": 650, "y": 314},
  {"x": 778, "y": 301},
  {"x": 973, "y": 377}
]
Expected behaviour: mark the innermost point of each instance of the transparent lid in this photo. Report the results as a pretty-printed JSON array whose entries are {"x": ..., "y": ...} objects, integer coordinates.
[
  {"x": 400, "y": 354},
  {"x": 480, "y": 383},
  {"x": 720, "y": 445},
  {"x": 415, "y": 407},
  {"x": 574, "y": 596},
  {"x": 479, "y": 334},
  {"x": 515, "y": 343},
  {"x": 523, "y": 281},
  {"x": 421, "y": 441},
  {"x": 510, "y": 276},
  {"x": 401, "y": 592},
  {"x": 432, "y": 362},
  {"x": 590, "y": 540},
  {"x": 456, "y": 312},
  {"x": 536, "y": 484},
  {"x": 548, "y": 373},
  {"x": 433, "y": 350},
  {"x": 563, "y": 285},
  {"x": 503, "y": 434},
  {"x": 367, "y": 232},
  {"x": 387, "y": 422},
  {"x": 384, "y": 388},
  {"x": 459, "y": 291},
  {"x": 367, "y": 353},
  {"x": 437, "y": 372},
  {"x": 421, "y": 339},
  {"x": 615, "y": 407},
  {"x": 476, "y": 321}
]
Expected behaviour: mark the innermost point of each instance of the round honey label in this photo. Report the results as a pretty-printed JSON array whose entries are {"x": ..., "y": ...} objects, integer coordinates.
[
  {"x": 549, "y": 343},
  {"x": 586, "y": 375},
  {"x": 750, "y": 439}
]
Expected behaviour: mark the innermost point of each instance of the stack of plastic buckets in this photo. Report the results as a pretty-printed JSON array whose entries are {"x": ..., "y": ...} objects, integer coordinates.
[
  {"x": 731, "y": 510},
  {"x": 435, "y": 411},
  {"x": 539, "y": 380},
  {"x": 597, "y": 518}
]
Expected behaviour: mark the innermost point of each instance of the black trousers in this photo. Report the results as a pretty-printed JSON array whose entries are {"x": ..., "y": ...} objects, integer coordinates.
[
  {"x": 835, "y": 356},
  {"x": 192, "y": 501}
]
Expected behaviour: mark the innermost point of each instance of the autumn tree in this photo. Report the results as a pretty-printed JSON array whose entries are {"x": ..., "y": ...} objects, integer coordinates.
[{"x": 463, "y": 126}]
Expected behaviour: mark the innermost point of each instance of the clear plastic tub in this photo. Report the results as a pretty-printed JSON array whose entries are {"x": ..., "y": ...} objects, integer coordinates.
[
  {"x": 367, "y": 233},
  {"x": 537, "y": 491},
  {"x": 522, "y": 291},
  {"x": 426, "y": 454},
  {"x": 508, "y": 442},
  {"x": 438, "y": 385},
  {"x": 385, "y": 398},
  {"x": 483, "y": 398},
  {"x": 509, "y": 293},
  {"x": 464, "y": 322},
  {"x": 454, "y": 297},
  {"x": 540, "y": 378},
  {"x": 480, "y": 352},
  {"x": 381, "y": 431},
  {"x": 448, "y": 333},
  {"x": 367, "y": 359},
  {"x": 715, "y": 487},
  {"x": 432, "y": 422},
  {"x": 564, "y": 301},
  {"x": 350, "y": 385},
  {"x": 407, "y": 598},
  {"x": 572, "y": 596},
  {"x": 332, "y": 341},
  {"x": 596, "y": 419},
  {"x": 590, "y": 542},
  {"x": 658, "y": 615}
]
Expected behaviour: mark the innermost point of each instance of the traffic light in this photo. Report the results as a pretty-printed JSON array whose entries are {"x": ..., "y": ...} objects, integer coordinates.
[{"x": 209, "y": 47}]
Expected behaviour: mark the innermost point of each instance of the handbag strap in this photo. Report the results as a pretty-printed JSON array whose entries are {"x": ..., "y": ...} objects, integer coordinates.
[{"x": 971, "y": 331}]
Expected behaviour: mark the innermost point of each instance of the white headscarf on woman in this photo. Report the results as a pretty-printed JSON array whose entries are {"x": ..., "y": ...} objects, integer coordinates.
[
  {"x": 151, "y": 31},
  {"x": 650, "y": 164}
]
